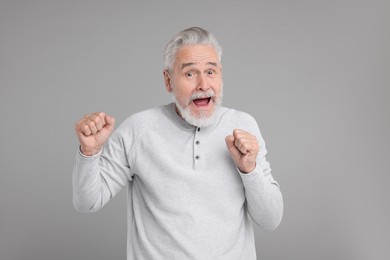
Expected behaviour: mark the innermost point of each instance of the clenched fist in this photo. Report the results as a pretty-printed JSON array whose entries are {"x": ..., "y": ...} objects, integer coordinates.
[
  {"x": 243, "y": 148},
  {"x": 93, "y": 131}
]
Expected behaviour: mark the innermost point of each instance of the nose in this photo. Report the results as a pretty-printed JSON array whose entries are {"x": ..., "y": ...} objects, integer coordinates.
[{"x": 202, "y": 83}]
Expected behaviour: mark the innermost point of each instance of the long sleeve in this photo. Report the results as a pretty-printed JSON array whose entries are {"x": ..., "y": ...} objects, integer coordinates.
[
  {"x": 263, "y": 196},
  {"x": 98, "y": 178},
  {"x": 262, "y": 192}
]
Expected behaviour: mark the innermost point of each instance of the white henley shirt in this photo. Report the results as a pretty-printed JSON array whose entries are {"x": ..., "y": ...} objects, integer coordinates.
[{"x": 186, "y": 197}]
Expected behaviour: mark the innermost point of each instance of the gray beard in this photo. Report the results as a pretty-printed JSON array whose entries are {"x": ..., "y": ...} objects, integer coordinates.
[{"x": 202, "y": 120}]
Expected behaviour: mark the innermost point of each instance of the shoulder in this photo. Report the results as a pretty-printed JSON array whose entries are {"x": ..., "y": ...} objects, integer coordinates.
[
  {"x": 239, "y": 118},
  {"x": 141, "y": 121},
  {"x": 144, "y": 119}
]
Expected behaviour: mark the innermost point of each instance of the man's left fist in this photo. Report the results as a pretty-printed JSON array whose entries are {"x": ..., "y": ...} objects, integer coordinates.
[{"x": 243, "y": 148}]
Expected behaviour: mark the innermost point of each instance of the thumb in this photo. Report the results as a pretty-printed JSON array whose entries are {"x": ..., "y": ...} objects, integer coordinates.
[
  {"x": 110, "y": 122},
  {"x": 234, "y": 152}
]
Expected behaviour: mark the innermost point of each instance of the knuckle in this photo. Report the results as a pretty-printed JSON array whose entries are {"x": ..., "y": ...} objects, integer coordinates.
[
  {"x": 241, "y": 140},
  {"x": 95, "y": 119},
  {"x": 101, "y": 114},
  {"x": 80, "y": 122},
  {"x": 91, "y": 123}
]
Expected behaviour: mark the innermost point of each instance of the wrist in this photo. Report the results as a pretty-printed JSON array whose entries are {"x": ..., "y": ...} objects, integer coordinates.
[
  {"x": 89, "y": 151},
  {"x": 248, "y": 169}
]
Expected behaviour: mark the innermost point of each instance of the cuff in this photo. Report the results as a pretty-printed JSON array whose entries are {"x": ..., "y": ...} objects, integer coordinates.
[
  {"x": 256, "y": 173},
  {"x": 91, "y": 156}
]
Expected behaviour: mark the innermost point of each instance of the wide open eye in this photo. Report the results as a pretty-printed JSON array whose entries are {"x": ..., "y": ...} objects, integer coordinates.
[
  {"x": 190, "y": 74},
  {"x": 210, "y": 72}
]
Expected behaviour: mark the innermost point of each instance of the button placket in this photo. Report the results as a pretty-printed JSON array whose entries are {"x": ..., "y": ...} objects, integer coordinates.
[{"x": 196, "y": 146}]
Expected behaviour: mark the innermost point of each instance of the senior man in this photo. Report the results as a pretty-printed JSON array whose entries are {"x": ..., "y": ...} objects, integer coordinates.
[{"x": 196, "y": 172}]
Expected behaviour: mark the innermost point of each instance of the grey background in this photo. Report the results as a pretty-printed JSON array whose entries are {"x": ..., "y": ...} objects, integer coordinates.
[{"x": 315, "y": 75}]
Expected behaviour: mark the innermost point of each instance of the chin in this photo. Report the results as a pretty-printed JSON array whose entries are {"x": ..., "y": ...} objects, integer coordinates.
[
  {"x": 201, "y": 120},
  {"x": 198, "y": 117},
  {"x": 202, "y": 112}
]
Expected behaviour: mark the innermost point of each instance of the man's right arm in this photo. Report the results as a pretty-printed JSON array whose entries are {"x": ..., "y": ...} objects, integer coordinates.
[{"x": 99, "y": 173}]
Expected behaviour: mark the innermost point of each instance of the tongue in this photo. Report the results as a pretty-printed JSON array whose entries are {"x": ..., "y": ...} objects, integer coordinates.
[{"x": 201, "y": 101}]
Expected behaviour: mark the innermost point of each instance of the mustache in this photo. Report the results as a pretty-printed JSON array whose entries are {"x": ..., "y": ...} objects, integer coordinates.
[{"x": 202, "y": 94}]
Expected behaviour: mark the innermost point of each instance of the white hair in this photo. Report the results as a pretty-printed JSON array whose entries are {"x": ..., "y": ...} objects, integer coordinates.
[{"x": 190, "y": 36}]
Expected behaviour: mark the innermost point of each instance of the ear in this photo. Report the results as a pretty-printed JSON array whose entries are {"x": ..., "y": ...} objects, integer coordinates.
[{"x": 168, "y": 81}]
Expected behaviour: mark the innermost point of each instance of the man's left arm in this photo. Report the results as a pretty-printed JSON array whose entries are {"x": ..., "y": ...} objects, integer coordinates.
[{"x": 263, "y": 196}]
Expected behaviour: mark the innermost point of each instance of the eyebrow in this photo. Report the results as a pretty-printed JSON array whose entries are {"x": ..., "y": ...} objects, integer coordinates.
[{"x": 193, "y": 63}]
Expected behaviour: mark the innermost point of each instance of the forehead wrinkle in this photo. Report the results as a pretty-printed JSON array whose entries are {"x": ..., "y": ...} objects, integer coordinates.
[
  {"x": 189, "y": 64},
  {"x": 195, "y": 56}
]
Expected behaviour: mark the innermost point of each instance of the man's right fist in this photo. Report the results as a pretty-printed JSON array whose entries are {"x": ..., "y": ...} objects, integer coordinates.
[{"x": 93, "y": 131}]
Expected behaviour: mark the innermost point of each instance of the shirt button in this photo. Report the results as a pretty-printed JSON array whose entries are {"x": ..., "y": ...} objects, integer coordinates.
[
  {"x": 197, "y": 142},
  {"x": 197, "y": 157},
  {"x": 198, "y": 129}
]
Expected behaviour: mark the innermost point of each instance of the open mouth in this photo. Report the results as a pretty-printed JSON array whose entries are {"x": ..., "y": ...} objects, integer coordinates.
[{"x": 202, "y": 101}]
